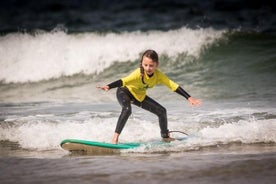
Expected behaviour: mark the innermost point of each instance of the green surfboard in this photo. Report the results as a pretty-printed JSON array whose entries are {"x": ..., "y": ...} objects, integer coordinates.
[{"x": 93, "y": 147}]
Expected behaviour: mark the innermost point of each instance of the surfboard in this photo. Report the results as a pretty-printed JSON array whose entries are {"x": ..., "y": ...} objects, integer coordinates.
[{"x": 94, "y": 147}]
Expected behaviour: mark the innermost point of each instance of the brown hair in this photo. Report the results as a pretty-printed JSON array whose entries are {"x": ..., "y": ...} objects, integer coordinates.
[{"x": 149, "y": 54}]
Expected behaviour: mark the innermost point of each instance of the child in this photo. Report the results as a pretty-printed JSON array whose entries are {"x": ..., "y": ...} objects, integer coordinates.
[{"x": 132, "y": 90}]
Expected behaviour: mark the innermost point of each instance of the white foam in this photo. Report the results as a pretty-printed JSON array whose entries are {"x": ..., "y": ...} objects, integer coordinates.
[
  {"x": 44, "y": 133},
  {"x": 47, "y": 131},
  {"x": 46, "y": 55},
  {"x": 261, "y": 131}
]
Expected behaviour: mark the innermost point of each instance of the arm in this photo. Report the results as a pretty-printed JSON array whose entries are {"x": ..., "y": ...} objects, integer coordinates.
[
  {"x": 182, "y": 92},
  {"x": 191, "y": 100},
  {"x": 114, "y": 84},
  {"x": 175, "y": 87},
  {"x": 133, "y": 76}
]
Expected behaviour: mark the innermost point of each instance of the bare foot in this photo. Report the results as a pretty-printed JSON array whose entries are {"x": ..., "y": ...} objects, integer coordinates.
[
  {"x": 169, "y": 139},
  {"x": 115, "y": 138}
]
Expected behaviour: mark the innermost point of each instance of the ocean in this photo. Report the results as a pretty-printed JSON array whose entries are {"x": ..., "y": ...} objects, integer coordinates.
[{"x": 55, "y": 54}]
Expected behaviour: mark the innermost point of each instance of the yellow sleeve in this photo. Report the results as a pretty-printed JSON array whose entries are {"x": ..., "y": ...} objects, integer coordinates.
[
  {"x": 134, "y": 76},
  {"x": 163, "y": 79}
]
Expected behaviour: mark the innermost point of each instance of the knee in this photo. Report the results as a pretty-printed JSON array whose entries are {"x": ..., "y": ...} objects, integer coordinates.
[
  {"x": 162, "y": 111},
  {"x": 127, "y": 110}
]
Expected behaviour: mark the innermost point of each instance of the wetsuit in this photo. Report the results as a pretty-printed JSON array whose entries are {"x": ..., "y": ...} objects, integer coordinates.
[{"x": 132, "y": 89}]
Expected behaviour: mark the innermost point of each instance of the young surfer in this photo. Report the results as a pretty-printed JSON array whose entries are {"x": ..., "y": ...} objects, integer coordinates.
[{"x": 132, "y": 90}]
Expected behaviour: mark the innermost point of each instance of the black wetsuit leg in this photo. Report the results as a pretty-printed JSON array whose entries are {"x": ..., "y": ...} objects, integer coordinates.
[
  {"x": 157, "y": 109},
  {"x": 124, "y": 99}
]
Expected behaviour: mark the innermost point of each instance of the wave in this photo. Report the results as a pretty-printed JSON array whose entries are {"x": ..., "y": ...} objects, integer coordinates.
[
  {"x": 208, "y": 63},
  {"x": 42, "y": 56}
]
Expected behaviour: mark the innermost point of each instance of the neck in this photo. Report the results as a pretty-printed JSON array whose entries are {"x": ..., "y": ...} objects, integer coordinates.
[{"x": 150, "y": 75}]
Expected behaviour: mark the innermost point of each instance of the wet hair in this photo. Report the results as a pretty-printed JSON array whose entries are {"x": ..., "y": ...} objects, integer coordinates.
[{"x": 149, "y": 54}]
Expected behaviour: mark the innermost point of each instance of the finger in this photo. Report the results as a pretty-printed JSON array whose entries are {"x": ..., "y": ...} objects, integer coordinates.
[
  {"x": 102, "y": 88},
  {"x": 198, "y": 103}
]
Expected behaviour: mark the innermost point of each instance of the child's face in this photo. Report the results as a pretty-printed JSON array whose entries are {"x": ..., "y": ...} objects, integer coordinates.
[{"x": 149, "y": 65}]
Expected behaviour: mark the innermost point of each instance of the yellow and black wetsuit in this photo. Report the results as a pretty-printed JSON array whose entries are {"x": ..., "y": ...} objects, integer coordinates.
[{"x": 132, "y": 89}]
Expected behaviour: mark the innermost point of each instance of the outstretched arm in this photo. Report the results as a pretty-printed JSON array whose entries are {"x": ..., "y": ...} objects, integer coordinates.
[
  {"x": 115, "y": 84},
  {"x": 192, "y": 101}
]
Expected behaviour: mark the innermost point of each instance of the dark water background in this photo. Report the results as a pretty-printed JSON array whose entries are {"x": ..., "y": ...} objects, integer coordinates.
[
  {"x": 54, "y": 53},
  {"x": 124, "y": 15}
]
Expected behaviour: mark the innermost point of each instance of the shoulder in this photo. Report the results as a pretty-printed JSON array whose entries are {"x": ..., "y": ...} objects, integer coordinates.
[{"x": 160, "y": 74}]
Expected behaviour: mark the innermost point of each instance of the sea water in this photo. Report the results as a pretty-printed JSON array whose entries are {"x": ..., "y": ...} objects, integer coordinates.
[{"x": 48, "y": 93}]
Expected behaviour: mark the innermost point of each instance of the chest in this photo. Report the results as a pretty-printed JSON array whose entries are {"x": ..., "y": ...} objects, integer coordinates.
[{"x": 149, "y": 82}]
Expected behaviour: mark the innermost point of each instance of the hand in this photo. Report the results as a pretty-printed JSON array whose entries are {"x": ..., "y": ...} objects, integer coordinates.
[
  {"x": 194, "y": 102},
  {"x": 105, "y": 88}
]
